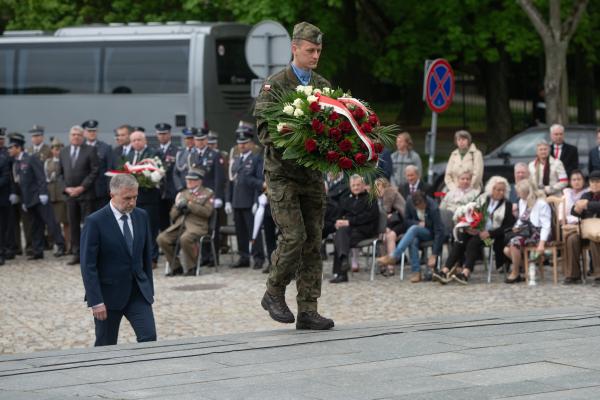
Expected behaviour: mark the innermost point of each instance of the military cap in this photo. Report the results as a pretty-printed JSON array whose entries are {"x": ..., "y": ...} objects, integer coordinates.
[
  {"x": 213, "y": 137},
  {"x": 90, "y": 125},
  {"x": 139, "y": 128},
  {"x": 2, "y": 132},
  {"x": 15, "y": 139},
  {"x": 595, "y": 175},
  {"x": 195, "y": 173},
  {"x": 162, "y": 127},
  {"x": 309, "y": 32},
  {"x": 244, "y": 137},
  {"x": 189, "y": 132},
  {"x": 56, "y": 143},
  {"x": 201, "y": 134},
  {"x": 244, "y": 126},
  {"x": 37, "y": 130}
]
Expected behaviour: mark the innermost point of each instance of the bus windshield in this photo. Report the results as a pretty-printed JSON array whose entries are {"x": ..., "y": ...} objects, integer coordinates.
[{"x": 232, "y": 68}]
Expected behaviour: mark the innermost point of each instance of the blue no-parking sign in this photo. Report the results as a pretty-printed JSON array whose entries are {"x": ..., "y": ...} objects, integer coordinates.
[{"x": 439, "y": 85}]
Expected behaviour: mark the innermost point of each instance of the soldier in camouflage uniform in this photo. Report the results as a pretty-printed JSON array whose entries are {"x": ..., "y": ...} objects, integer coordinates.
[{"x": 296, "y": 195}]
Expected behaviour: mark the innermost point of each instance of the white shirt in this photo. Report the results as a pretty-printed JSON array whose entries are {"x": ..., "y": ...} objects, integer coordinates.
[
  {"x": 91, "y": 143},
  {"x": 540, "y": 216},
  {"x": 245, "y": 156},
  {"x": 164, "y": 147},
  {"x": 118, "y": 215},
  {"x": 36, "y": 149},
  {"x": 126, "y": 149}
]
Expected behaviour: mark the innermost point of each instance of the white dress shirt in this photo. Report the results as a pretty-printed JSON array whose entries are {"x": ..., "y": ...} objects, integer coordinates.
[{"x": 118, "y": 215}]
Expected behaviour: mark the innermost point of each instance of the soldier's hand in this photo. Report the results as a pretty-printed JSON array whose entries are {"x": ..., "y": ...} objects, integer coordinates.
[
  {"x": 228, "y": 208},
  {"x": 13, "y": 198},
  {"x": 43, "y": 199},
  {"x": 218, "y": 203}
]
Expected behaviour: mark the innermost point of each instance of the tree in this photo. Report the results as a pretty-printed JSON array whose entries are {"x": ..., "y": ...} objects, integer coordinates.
[{"x": 555, "y": 36}]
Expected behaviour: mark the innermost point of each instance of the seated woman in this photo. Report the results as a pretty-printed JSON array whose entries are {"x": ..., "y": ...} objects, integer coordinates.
[
  {"x": 570, "y": 226},
  {"x": 498, "y": 217},
  {"x": 589, "y": 207},
  {"x": 533, "y": 226},
  {"x": 422, "y": 216},
  {"x": 392, "y": 202},
  {"x": 462, "y": 195},
  {"x": 546, "y": 173}
]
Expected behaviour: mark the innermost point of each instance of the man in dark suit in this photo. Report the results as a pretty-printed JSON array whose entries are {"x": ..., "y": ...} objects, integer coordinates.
[
  {"x": 29, "y": 183},
  {"x": 149, "y": 197},
  {"x": 594, "y": 159},
  {"x": 243, "y": 192},
  {"x": 105, "y": 162},
  {"x": 4, "y": 198},
  {"x": 414, "y": 183},
  {"x": 78, "y": 168},
  {"x": 116, "y": 265},
  {"x": 123, "y": 147},
  {"x": 167, "y": 152},
  {"x": 563, "y": 151}
]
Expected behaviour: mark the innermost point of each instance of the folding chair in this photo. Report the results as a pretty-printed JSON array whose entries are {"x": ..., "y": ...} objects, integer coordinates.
[{"x": 208, "y": 238}]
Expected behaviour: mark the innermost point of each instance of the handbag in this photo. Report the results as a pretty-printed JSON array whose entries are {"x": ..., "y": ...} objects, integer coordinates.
[
  {"x": 590, "y": 229},
  {"x": 523, "y": 230}
]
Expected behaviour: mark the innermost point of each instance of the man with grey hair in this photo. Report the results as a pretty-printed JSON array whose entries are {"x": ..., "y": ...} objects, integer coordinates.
[
  {"x": 116, "y": 265},
  {"x": 413, "y": 182},
  {"x": 359, "y": 220},
  {"x": 521, "y": 171},
  {"x": 563, "y": 151}
]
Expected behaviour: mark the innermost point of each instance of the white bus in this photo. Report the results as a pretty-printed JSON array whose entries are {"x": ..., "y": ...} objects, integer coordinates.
[{"x": 185, "y": 74}]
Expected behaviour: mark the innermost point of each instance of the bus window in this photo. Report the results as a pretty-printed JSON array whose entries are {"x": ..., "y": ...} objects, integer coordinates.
[
  {"x": 7, "y": 60},
  {"x": 58, "y": 69},
  {"x": 146, "y": 68},
  {"x": 232, "y": 68}
]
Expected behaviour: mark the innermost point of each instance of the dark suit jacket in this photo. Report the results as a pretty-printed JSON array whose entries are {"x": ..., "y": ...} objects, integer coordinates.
[
  {"x": 85, "y": 171},
  {"x": 118, "y": 157},
  {"x": 569, "y": 157},
  {"x": 361, "y": 212},
  {"x": 433, "y": 222},
  {"x": 32, "y": 180},
  {"x": 105, "y": 162},
  {"x": 5, "y": 181},
  {"x": 594, "y": 160},
  {"x": 422, "y": 187},
  {"x": 247, "y": 186},
  {"x": 167, "y": 189},
  {"x": 107, "y": 267}
]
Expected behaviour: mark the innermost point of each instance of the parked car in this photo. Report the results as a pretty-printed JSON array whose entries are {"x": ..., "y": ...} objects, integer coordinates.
[{"x": 521, "y": 148}]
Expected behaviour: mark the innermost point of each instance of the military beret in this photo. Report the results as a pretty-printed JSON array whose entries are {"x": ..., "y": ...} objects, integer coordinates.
[
  {"x": 306, "y": 31},
  {"x": 36, "y": 130},
  {"x": 213, "y": 137},
  {"x": 90, "y": 125},
  {"x": 201, "y": 134},
  {"x": 189, "y": 132},
  {"x": 16, "y": 139},
  {"x": 162, "y": 127},
  {"x": 2, "y": 132},
  {"x": 195, "y": 173},
  {"x": 595, "y": 175}
]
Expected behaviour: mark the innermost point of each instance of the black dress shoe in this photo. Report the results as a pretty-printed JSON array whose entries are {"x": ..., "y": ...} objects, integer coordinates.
[
  {"x": 74, "y": 261},
  {"x": 314, "y": 321},
  {"x": 515, "y": 280},
  {"x": 277, "y": 308},
  {"x": 176, "y": 271},
  {"x": 258, "y": 264},
  {"x": 241, "y": 263},
  {"x": 35, "y": 257},
  {"x": 59, "y": 253},
  {"x": 571, "y": 281},
  {"x": 341, "y": 278}
]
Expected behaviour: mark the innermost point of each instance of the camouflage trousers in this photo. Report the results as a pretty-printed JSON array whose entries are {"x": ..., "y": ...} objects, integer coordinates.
[{"x": 297, "y": 209}]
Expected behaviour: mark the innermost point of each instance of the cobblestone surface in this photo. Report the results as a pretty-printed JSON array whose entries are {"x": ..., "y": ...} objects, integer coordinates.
[{"x": 41, "y": 303}]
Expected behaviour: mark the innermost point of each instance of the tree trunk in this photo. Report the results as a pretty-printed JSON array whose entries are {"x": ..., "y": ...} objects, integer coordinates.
[
  {"x": 555, "y": 55},
  {"x": 498, "y": 117},
  {"x": 584, "y": 89}
]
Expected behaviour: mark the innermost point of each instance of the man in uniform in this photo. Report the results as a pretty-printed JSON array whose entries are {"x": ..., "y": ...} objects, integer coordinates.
[
  {"x": 105, "y": 162},
  {"x": 243, "y": 193},
  {"x": 4, "y": 195},
  {"x": 296, "y": 196},
  {"x": 123, "y": 147},
  {"x": 184, "y": 157},
  {"x": 38, "y": 148},
  {"x": 213, "y": 144},
  {"x": 191, "y": 213},
  {"x": 30, "y": 185},
  {"x": 167, "y": 152}
]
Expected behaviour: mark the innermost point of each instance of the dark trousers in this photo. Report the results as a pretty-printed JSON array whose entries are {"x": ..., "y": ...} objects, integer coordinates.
[
  {"x": 77, "y": 212},
  {"x": 345, "y": 238},
  {"x": 139, "y": 314},
  {"x": 4, "y": 231},
  {"x": 244, "y": 224},
  {"x": 153, "y": 210},
  {"x": 163, "y": 218},
  {"x": 469, "y": 249},
  {"x": 41, "y": 217}
]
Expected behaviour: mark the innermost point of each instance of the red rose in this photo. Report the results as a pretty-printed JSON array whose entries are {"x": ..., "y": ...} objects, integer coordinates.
[
  {"x": 363, "y": 146},
  {"x": 314, "y": 107},
  {"x": 335, "y": 134},
  {"x": 334, "y": 116},
  {"x": 345, "y": 145},
  {"x": 373, "y": 120},
  {"x": 310, "y": 145},
  {"x": 358, "y": 113},
  {"x": 366, "y": 127},
  {"x": 345, "y": 163},
  {"x": 332, "y": 156},
  {"x": 345, "y": 126},
  {"x": 317, "y": 126},
  {"x": 360, "y": 158},
  {"x": 378, "y": 147}
]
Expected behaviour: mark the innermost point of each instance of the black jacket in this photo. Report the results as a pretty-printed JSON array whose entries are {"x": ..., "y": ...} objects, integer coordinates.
[
  {"x": 421, "y": 187},
  {"x": 594, "y": 160},
  {"x": 5, "y": 171},
  {"x": 214, "y": 171},
  {"x": 593, "y": 208},
  {"x": 361, "y": 212},
  {"x": 32, "y": 180},
  {"x": 247, "y": 185},
  {"x": 85, "y": 171},
  {"x": 569, "y": 156},
  {"x": 167, "y": 188}
]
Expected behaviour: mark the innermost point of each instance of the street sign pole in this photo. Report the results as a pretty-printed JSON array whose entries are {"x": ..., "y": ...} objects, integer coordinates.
[{"x": 434, "y": 116}]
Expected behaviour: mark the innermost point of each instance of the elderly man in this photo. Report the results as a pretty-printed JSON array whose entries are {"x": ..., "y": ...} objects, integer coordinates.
[
  {"x": 521, "y": 171},
  {"x": 560, "y": 150},
  {"x": 359, "y": 220},
  {"x": 190, "y": 214},
  {"x": 296, "y": 196},
  {"x": 413, "y": 182}
]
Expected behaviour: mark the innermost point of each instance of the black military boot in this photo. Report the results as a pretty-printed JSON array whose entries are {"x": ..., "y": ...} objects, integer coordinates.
[
  {"x": 314, "y": 321},
  {"x": 277, "y": 308}
]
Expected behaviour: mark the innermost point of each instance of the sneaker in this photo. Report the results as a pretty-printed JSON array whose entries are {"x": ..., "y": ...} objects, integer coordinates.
[
  {"x": 441, "y": 277},
  {"x": 314, "y": 321},
  {"x": 461, "y": 278}
]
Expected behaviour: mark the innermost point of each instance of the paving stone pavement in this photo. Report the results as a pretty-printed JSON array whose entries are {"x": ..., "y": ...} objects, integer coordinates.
[{"x": 42, "y": 308}]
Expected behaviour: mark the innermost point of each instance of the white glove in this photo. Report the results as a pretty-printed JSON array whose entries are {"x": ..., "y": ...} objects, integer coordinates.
[
  {"x": 262, "y": 200},
  {"x": 218, "y": 203},
  {"x": 13, "y": 198},
  {"x": 23, "y": 207},
  {"x": 44, "y": 199},
  {"x": 228, "y": 208},
  {"x": 254, "y": 208}
]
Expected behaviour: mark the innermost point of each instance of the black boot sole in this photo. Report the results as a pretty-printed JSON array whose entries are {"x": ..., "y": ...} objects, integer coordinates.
[
  {"x": 308, "y": 326},
  {"x": 275, "y": 317}
]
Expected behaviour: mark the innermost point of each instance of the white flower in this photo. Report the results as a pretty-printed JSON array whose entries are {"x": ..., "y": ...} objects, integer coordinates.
[
  {"x": 298, "y": 103},
  {"x": 298, "y": 112},
  {"x": 312, "y": 99},
  {"x": 317, "y": 91},
  {"x": 300, "y": 88},
  {"x": 146, "y": 173},
  {"x": 288, "y": 109},
  {"x": 155, "y": 176},
  {"x": 308, "y": 90},
  {"x": 327, "y": 90},
  {"x": 280, "y": 126}
]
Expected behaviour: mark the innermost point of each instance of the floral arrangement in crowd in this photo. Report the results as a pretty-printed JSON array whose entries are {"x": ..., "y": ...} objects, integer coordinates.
[
  {"x": 148, "y": 172},
  {"x": 327, "y": 130},
  {"x": 467, "y": 217}
]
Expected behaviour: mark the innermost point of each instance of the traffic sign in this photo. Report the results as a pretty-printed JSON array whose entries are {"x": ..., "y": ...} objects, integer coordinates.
[
  {"x": 439, "y": 85},
  {"x": 268, "y": 48}
]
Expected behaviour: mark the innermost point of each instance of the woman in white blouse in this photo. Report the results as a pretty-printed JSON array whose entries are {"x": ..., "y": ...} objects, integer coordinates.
[
  {"x": 533, "y": 226},
  {"x": 462, "y": 195}
]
